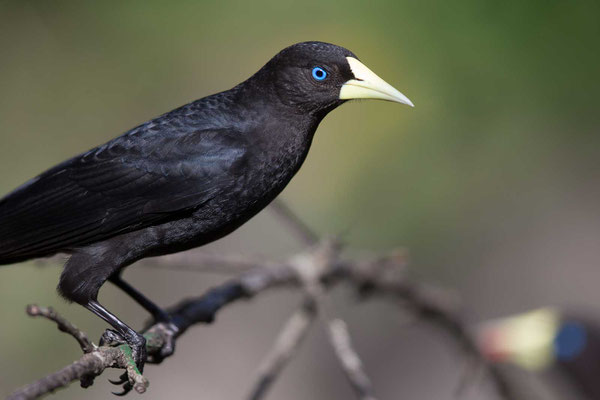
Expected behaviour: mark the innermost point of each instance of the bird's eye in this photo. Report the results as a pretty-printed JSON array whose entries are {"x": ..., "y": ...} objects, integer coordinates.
[{"x": 319, "y": 73}]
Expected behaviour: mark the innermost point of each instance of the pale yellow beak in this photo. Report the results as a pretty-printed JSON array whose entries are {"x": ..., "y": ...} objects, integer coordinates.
[{"x": 367, "y": 85}]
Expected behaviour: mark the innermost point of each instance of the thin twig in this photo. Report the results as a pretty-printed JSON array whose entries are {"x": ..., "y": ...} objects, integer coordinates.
[
  {"x": 287, "y": 343},
  {"x": 376, "y": 277},
  {"x": 349, "y": 359},
  {"x": 307, "y": 267},
  {"x": 90, "y": 363},
  {"x": 63, "y": 325},
  {"x": 311, "y": 271}
]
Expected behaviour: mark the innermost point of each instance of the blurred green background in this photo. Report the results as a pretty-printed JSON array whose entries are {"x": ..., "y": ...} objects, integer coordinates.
[{"x": 492, "y": 181}]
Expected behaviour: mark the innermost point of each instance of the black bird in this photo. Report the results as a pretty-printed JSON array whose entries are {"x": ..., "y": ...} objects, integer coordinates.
[{"x": 181, "y": 180}]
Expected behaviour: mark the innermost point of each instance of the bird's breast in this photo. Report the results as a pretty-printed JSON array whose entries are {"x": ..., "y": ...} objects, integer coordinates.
[
  {"x": 274, "y": 167},
  {"x": 273, "y": 157}
]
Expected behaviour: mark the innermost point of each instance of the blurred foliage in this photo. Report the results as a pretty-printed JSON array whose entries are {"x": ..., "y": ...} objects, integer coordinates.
[{"x": 504, "y": 131}]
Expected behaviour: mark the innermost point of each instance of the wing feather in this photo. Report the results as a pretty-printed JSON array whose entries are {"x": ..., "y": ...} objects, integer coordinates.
[{"x": 127, "y": 184}]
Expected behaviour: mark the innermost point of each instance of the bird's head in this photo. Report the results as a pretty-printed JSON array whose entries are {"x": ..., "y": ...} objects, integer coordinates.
[{"x": 316, "y": 77}]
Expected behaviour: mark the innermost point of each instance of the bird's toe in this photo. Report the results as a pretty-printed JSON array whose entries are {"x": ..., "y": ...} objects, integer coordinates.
[
  {"x": 122, "y": 379},
  {"x": 126, "y": 389},
  {"x": 138, "y": 350},
  {"x": 110, "y": 337}
]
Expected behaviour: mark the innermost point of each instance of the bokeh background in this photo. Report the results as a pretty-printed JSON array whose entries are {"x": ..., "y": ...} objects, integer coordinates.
[{"x": 492, "y": 181}]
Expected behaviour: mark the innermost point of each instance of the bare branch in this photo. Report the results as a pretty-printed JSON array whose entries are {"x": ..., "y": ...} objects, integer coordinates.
[
  {"x": 351, "y": 363},
  {"x": 287, "y": 343},
  {"x": 314, "y": 271},
  {"x": 310, "y": 268},
  {"x": 63, "y": 325},
  {"x": 90, "y": 364},
  {"x": 311, "y": 271}
]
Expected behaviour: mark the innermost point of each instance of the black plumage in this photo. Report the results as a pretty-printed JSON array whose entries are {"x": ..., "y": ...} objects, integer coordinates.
[{"x": 179, "y": 181}]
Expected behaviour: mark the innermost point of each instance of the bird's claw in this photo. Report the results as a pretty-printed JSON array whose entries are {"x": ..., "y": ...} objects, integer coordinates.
[
  {"x": 137, "y": 344},
  {"x": 126, "y": 384},
  {"x": 122, "y": 379},
  {"x": 138, "y": 351},
  {"x": 130, "y": 380},
  {"x": 111, "y": 337},
  {"x": 126, "y": 389},
  {"x": 135, "y": 341}
]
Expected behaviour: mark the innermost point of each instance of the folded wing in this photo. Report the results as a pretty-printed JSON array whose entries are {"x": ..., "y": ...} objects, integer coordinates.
[{"x": 132, "y": 182}]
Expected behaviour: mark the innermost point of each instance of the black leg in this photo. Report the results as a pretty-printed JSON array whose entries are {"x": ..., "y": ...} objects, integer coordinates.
[
  {"x": 122, "y": 334},
  {"x": 158, "y": 313},
  {"x": 127, "y": 334}
]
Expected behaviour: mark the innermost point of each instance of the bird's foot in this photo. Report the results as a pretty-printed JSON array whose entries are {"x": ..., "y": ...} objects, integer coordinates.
[
  {"x": 135, "y": 342},
  {"x": 110, "y": 337},
  {"x": 132, "y": 379},
  {"x": 134, "y": 350}
]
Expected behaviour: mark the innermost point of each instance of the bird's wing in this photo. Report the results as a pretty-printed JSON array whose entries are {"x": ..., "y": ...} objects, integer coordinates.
[{"x": 132, "y": 182}]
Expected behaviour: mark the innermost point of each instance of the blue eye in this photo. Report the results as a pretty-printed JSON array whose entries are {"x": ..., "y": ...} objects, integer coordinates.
[{"x": 319, "y": 73}]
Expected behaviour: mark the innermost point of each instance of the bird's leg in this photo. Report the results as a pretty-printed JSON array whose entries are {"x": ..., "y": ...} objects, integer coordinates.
[
  {"x": 122, "y": 333},
  {"x": 157, "y": 313}
]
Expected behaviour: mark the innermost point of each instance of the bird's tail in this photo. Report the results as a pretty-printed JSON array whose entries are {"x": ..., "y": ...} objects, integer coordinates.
[
  {"x": 7, "y": 244},
  {"x": 8, "y": 261},
  {"x": 5, "y": 255}
]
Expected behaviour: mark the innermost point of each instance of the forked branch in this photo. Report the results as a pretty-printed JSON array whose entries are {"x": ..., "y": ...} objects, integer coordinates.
[{"x": 323, "y": 266}]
